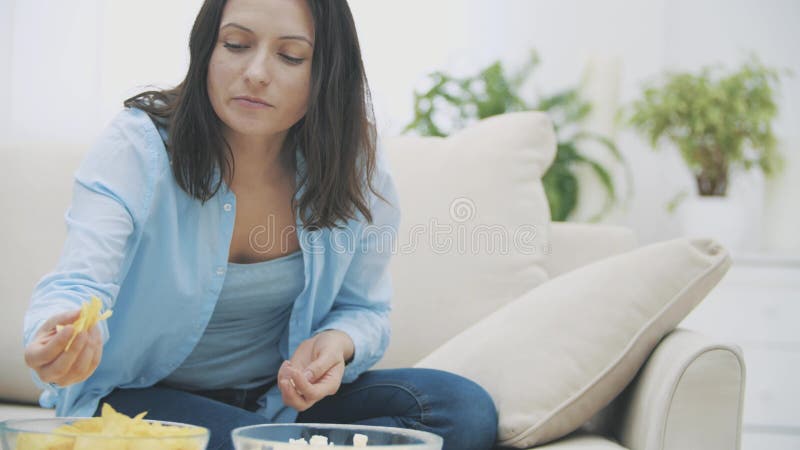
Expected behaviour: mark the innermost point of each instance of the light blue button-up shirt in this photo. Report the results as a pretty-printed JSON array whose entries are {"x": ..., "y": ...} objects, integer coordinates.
[{"x": 158, "y": 257}]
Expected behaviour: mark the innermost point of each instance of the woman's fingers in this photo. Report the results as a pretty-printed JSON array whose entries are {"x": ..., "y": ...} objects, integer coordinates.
[
  {"x": 324, "y": 375},
  {"x": 49, "y": 343},
  {"x": 63, "y": 318},
  {"x": 59, "y": 370},
  {"x": 96, "y": 346},
  {"x": 310, "y": 392},
  {"x": 290, "y": 395},
  {"x": 98, "y": 356},
  {"x": 39, "y": 354},
  {"x": 82, "y": 367},
  {"x": 298, "y": 392},
  {"x": 320, "y": 366},
  {"x": 294, "y": 395},
  {"x": 95, "y": 337}
]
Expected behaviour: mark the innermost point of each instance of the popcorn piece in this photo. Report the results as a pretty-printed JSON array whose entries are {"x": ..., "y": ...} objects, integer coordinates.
[
  {"x": 318, "y": 440},
  {"x": 359, "y": 440}
]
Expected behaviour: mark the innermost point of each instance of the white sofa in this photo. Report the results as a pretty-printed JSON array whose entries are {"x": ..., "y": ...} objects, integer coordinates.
[{"x": 668, "y": 406}]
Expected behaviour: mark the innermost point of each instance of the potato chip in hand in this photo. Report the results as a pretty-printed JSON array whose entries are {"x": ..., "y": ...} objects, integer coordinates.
[{"x": 90, "y": 315}]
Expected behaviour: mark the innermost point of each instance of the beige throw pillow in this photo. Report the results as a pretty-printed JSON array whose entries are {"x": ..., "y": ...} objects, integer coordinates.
[
  {"x": 474, "y": 230},
  {"x": 554, "y": 357}
]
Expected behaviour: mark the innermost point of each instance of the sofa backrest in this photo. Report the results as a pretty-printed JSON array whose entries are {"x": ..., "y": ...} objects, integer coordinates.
[
  {"x": 36, "y": 187},
  {"x": 482, "y": 184}
]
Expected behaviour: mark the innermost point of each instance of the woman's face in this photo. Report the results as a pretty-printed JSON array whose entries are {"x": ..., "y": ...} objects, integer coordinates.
[{"x": 260, "y": 68}]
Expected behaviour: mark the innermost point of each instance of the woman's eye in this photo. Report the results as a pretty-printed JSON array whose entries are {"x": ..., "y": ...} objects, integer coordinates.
[
  {"x": 292, "y": 60},
  {"x": 234, "y": 47},
  {"x": 238, "y": 47}
]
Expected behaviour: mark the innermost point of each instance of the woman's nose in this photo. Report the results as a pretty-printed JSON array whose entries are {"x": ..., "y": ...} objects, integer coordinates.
[{"x": 258, "y": 70}]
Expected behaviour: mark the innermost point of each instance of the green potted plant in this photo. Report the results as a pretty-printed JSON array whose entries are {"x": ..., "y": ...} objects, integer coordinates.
[
  {"x": 453, "y": 102},
  {"x": 719, "y": 124}
]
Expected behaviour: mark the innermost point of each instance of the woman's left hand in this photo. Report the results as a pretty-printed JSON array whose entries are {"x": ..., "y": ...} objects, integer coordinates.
[{"x": 315, "y": 370}]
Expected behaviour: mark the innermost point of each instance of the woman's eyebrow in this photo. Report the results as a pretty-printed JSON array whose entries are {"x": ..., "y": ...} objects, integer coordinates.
[
  {"x": 291, "y": 36},
  {"x": 298, "y": 37},
  {"x": 236, "y": 25}
]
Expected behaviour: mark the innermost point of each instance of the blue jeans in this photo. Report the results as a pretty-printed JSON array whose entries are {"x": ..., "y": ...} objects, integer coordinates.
[{"x": 455, "y": 408}]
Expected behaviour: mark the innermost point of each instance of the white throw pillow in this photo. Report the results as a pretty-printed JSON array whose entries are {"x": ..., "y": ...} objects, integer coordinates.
[
  {"x": 474, "y": 230},
  {"x": 561, "y": 352}
]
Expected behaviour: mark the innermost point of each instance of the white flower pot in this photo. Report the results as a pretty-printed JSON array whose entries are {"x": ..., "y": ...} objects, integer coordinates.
[{"x": 724, "y": 219}]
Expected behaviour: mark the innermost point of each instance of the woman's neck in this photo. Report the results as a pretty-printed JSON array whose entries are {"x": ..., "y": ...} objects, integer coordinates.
[{"x": 259, "y": 160}]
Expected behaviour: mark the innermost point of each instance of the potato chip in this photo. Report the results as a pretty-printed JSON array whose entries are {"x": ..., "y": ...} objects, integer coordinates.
[
  {"x": 115, "y": 431},
  {"x": 90, "y": 315}
]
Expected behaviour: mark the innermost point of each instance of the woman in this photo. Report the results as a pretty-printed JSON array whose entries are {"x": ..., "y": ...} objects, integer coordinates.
[{"x": 211, "y": 218}]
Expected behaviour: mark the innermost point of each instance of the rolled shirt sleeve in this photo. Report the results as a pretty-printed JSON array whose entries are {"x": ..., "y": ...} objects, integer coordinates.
[{"x": 111, "y": 192}]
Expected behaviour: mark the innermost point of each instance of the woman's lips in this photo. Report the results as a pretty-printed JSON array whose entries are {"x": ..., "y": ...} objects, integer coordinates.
[{"x": 251, "y": 103}]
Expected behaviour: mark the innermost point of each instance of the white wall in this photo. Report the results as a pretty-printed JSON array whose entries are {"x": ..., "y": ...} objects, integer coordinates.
[
  {"x": 6, "y": 13},
  {"x": 53, "y": 67},
  {"x": 68, "y": 66},
  {"x": 72, "y": 63}
]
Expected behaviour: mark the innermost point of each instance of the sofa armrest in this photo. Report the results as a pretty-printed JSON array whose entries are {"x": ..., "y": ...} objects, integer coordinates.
[
  {"x": 573, "y": 245},
  {"x": 689, "y": 394}
]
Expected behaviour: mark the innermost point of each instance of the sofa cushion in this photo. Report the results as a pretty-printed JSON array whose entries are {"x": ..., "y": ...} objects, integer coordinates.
[
  {"x": 582, "y": 442},
  {"x": 560, "y": 353},
  {"x": 474, "y": 227},
  {"x": 38, "y": 187}
]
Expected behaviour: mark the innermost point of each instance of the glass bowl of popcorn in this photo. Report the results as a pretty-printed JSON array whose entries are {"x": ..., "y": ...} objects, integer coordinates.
[
  {"x": 340, "y": 436},
  {"x": 74, "y": 433}
]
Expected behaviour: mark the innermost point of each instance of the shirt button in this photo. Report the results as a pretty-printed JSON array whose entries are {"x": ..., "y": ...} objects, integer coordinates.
[
  {"x": 220, "y": 270},
  {"x": 227, "y": 207}
]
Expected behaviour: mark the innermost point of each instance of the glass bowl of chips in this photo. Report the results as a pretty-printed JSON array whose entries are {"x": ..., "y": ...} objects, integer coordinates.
[
  {"x": 338, "y": 436},
  {"x": 65, "y": 433}
]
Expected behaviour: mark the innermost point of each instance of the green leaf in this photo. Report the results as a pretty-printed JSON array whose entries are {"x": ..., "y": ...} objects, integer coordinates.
[
  {"x": 673, "y": 204},
  {"x": 561, "y": 189}
]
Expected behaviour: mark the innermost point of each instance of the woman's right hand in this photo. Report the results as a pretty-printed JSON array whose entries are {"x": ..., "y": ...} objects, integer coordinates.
[{"x": 46, "y": 353}]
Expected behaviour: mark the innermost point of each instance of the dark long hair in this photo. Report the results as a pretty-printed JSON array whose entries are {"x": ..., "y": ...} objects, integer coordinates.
[{"x": 336, "y": 136}]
